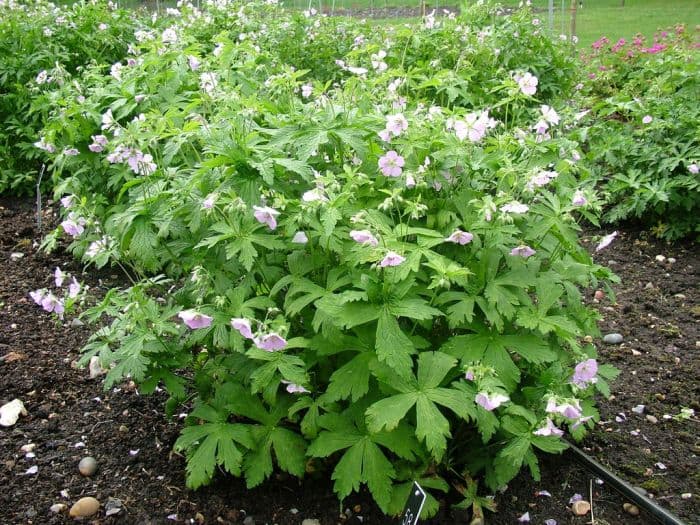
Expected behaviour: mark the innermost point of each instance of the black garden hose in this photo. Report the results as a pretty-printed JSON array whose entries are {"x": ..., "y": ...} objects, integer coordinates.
[{"x": 659, "y": 513}]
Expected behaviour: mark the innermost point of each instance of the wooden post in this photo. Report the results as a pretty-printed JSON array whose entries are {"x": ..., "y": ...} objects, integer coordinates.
[{"x": 574, "y": 6}]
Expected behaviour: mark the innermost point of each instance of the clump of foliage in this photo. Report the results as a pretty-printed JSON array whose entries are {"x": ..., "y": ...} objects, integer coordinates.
[
  {"x": 41, "y": 46},
  {"x": 366, "y": 262},
  {"x": 642, "y": 130}
]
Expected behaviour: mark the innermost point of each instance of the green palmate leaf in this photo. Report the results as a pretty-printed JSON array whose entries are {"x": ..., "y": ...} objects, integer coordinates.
[
  {"x": 426, "y": 395},
  {"x": 352, "y": 379},
  {"x": 212, "y": 444},
  {"x": 363, "y": 461},
  {"x": 393, "y": 346}
]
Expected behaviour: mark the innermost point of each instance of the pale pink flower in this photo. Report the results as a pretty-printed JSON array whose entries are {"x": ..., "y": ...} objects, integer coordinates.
[
  {"x": 514, "y": 207},
  {"x": 70, "y": 152},
  {"x": 568, "y": 410},
  {"x": 169, "y": 36},
  {"x": 307, "y": 90},
  {"x": 549, "y": 429},
  {"x": 195, "y": 319},
  {"x": 73, "y": 288},
  {"x": 541, "y": 127},
  {"x": 385, "y": 135},
  {"x": 410, "y": 181},
  {"x": 293, "y": 388},
  {"x": 209, "y": 202},
  {"x": 391, "y": 164},
  {"x": 549, "y": 114},
  {"x": 364, "y": 237},
  {"x": 605, "y": 241},
  {"x": 396, "y": 124},
  {"x": 579, "y": 199},
  {"x": 694, "y": 168},
  {"x": 270, "y": 342},
  {"x": 473, "y": 127},
  {"x": 67, "y": 201},
  {"x": 528, "y": 83},
  {"x": 51, "y": 303},
  {"x": 647, "y": 119},
  {"x": 38, "y": 296},
  {"x": 523, "y": 251},
  {"x": 300, "y": 238},
  {"x": 469, "y": 375},
  {"x": 243, "y": 327},
  {"x": 72, "y": 228},
  {"x": 59, "y": 276},
  {"x": 193, "y": 62},
  {"x": 460, "y": 237},
  {"x": 315, "y": 195},
  {"x": 266, "y": 215},
  {"x": 585, "y": 373},
  {"x": 391, "y": 259},
  {"x": 490, "y": 402},
  {"x": 576, "y": 156}
]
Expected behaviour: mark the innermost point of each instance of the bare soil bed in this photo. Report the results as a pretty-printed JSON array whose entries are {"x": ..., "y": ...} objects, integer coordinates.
[{"x": 70, "y": 416}]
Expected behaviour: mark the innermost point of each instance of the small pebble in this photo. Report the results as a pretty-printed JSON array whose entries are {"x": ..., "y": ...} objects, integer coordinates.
[
  {"x": 294, "y": 511},
  {"x": 249, "y": 520},
  {"x": 651, "y": 419},
  {"x": 29, "y": 447},
  {"x": 16, "y": 256},
  {"x": 123, "y": 428},
  {"x": 680, "y": 296},
  {"x": 613, "y": 339},
  {"x": 639, "y": 409},
  {"x": 660, "y": 258},
  {"x": 599, "y": 295},
  {"x": 686, "y": 495},
  {"x": 671, "y": 260},
  {"x": 87, "y": 466},
  {"x": 84, "y": 507},
  {"x": 310, "y": 521},
  {"x": 581, "y": 507},
  {"x": 630, "y": 509},
  {"x": 649, "y": 286},
  {"x": 58, "y": 507}
]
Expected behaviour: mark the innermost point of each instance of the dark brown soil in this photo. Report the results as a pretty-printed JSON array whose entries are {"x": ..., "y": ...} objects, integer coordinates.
[{"x": 132, "y": 440}]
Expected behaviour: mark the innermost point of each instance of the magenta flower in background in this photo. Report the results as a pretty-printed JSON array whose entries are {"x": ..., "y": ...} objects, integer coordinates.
[
  {"x": 270, "y": 342},
  {"x": 647, "y": 119},
  {"x": 58, "y": 276},
  {"x": 514, "y": 207},
  {"x": 579, "y": 199},
  {"x": 523, "y": 251},
  {"x": 300, "y": 238},
  {"x": 549, "y": 429},
  {"x": 266, "y": 215},
  {"x": 195, "y": 319},
  {"x": 391, "y": 259},
  {"x": 605, "y": 241},
  {"x": 73, "y": 288},
  {"x": 391, "y": 164},
  {"x": 694, "y": 168},
  {"x": 460, "y": 237},
  {"x": 72, "y": 227},
  {"x": 490, "y": 401},
  {"x": 51, "y": 303},
  {"x": 38, "y": 296},
  {"x": 528, "y": 83},
  {"x": 364, "y": 237},
  {"x": 585, "y": 373},
  {"x": 243, "y": 327}
]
